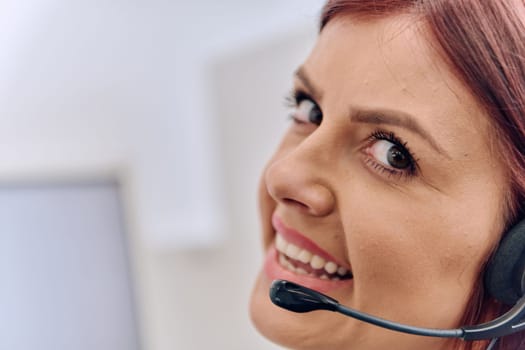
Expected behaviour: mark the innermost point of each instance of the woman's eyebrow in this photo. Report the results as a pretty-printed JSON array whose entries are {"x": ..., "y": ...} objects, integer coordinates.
[
  {"x": 300, "y": 73},
  {"x": 395, "y": 118},
  {"x": 376, "y": 116}
]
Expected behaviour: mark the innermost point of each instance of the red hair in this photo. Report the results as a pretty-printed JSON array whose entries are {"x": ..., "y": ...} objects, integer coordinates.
[{"x": 483, "y": 42}]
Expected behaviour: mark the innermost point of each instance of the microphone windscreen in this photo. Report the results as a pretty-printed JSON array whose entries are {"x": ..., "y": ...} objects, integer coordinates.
[{"x": 294, "y": 297}]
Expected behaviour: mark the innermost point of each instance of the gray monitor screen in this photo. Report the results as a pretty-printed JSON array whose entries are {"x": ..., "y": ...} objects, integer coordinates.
[{"x": 64, "y": 271}]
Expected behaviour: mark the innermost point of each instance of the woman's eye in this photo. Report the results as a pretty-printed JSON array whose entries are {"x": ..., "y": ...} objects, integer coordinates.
[
  {"x": 390, "y": 155},
  {"x": 387, "y": 154},
  {"x": 306, "y": 111}
]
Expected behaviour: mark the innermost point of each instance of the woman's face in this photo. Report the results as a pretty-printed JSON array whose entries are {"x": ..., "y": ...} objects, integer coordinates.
[{"x": 385, "y": 192}]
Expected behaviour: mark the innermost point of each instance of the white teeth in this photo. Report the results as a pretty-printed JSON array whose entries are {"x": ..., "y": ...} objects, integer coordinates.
[
  {"x": 282, "y": 260},
  {"x": 280, "y": 243},
  {"x": 330, "y": 267},
  {"x": 317, "y": 262},
  {"x": 290, "y": 267},
  {"x": 289, "y": 251},
  {"x": 304, "y": 256},
  {"x": 292, "y": 251},
  {"x": 301, "y": 271}
]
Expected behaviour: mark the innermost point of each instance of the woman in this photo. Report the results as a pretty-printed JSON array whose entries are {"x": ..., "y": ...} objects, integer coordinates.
[{"x": 403, "y": 166}]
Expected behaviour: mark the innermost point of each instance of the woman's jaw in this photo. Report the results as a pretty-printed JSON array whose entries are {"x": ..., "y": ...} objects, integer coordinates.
[{"x": 311, "y": 330}]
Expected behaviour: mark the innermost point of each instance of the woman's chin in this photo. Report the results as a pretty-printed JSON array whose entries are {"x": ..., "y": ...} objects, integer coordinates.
[
  {"x": 306, "y": 331},
  {"x": 321, "y": 329},
  {"x": 295, "y": 330},
  {"x": 277, "y": 325}
]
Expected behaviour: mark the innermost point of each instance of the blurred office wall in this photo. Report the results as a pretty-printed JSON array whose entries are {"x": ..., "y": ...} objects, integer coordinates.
[
  {"x": 214, "y": 285},
  {"x": 181, "y": 104}
]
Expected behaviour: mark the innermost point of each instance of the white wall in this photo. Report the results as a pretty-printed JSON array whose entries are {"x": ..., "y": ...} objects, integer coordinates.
[
  {"x": 180, "y": 101},
  {"x": 251, "y": 86},
  {"x": 119, "y": 87},
  {"x": 201, "y": 297}
]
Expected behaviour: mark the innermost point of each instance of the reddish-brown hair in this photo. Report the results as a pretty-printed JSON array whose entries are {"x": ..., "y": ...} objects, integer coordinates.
[{"x": 484, "y": 44}]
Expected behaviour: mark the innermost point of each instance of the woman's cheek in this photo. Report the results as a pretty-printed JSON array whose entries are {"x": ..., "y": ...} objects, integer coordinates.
[
  {"x": 266, "y": 208},
  {"x": 267, "y": 204}
]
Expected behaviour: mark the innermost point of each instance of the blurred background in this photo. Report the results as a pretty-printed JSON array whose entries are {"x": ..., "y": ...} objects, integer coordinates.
[{"x": 132, "y": 138}]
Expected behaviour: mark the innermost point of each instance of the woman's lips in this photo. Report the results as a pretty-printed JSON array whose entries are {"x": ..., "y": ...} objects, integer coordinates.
[
  {"x": 304, "y": 262},
  {"x": 295, "y": 258},
  {"x": 297, "y": 239},
  {"x": 274, "y": 270}
]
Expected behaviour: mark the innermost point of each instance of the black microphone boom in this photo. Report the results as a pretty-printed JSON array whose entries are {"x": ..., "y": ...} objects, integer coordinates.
[{"x": 297, "y": 298}]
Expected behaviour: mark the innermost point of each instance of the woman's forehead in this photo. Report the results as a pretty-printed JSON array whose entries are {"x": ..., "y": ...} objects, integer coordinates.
[
  {"x": 391, "y": 63},
  {"x": 388, "y": 54}
]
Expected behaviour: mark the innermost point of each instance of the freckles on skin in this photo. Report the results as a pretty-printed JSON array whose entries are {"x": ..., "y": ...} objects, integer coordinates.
[
  {"x": 437, "y": 240},
  {"x": 440, "y": 243}
]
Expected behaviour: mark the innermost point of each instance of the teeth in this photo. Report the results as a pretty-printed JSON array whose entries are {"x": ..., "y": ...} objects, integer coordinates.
[
  {"x": 292, "y": 251},
  {"x": 301, "y": 271},
  {"x": 280, "y": 243},
  {"x": 330, "y": 267},
  {"x": 282, "y": 260},
  {"x": 304, "y": 256},
  {"x": 290, "y": 266},
  {"x": 289, "y": 251},
  {"x": 317, "y": 262}
]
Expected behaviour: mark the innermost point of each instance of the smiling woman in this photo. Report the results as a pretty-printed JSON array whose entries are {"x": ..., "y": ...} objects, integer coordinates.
[{"x": 401, "y": 170}]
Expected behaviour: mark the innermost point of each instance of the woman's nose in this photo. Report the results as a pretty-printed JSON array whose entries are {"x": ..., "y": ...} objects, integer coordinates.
[{"x": 300, "y": 178}]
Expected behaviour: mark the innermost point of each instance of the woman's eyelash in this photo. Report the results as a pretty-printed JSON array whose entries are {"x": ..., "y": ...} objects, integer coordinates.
[
  {"x": 295, "y": 97},
  {"x": 289, "y": 100},
  {"x": 303, "y": 108},
  {"x": 388, "y": 136},
  {"x": 413, "y": 168}
]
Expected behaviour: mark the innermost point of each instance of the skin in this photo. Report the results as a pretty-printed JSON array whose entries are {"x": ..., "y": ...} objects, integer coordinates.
[{"x": 415, "y": 244}]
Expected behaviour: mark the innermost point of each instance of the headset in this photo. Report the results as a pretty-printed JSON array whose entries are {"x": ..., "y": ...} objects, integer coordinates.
[{"x": 504, "y": 280}]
